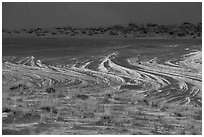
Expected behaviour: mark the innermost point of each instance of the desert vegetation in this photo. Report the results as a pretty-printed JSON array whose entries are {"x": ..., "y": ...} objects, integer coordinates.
[{"x": 185, "y": 30}]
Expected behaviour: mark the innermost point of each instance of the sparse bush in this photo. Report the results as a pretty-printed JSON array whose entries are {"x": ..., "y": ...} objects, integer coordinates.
[
  {"x": 6, "y": 110},
  {"x": 49, "y": 109},
  {"x": 83, "y": 97},
  {"x": 50, "y": 90},
  {"x": 18, "y": 86},
  {"x": 177, "y": 114},
  {"x": 54, "y": 33}
]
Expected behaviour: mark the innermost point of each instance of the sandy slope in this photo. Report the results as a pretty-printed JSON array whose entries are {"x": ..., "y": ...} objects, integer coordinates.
[{"x": 152, "y": 98}]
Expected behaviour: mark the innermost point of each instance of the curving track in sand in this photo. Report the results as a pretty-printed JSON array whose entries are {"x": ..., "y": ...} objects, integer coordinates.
[{"x": 171, "y": 82}]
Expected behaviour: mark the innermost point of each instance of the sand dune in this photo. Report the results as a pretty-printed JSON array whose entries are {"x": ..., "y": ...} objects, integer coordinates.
[{"x": 155, "y": 96}]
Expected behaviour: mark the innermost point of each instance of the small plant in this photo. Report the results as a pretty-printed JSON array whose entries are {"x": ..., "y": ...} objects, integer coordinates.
[
  {"x": 50, "y": 90},
  {"x": 83, "y": 97},
  {"x": 105, "y": 119},
  {"x": 54, "y": 33},
  {"x": 18, "y": 86},
  {"x": 7, "y": 110},
  {"x": 177, "y": 114},
  {"x": 53, "y": 110}
]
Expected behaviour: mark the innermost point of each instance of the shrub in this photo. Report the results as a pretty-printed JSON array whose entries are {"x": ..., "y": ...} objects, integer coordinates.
[
  {"x": 83, "y": 97},
  {"x": 50, "y": 90}
]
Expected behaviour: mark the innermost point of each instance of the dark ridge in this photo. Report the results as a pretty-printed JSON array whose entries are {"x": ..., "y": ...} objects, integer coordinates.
[{"x": 149, "y": 30}]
